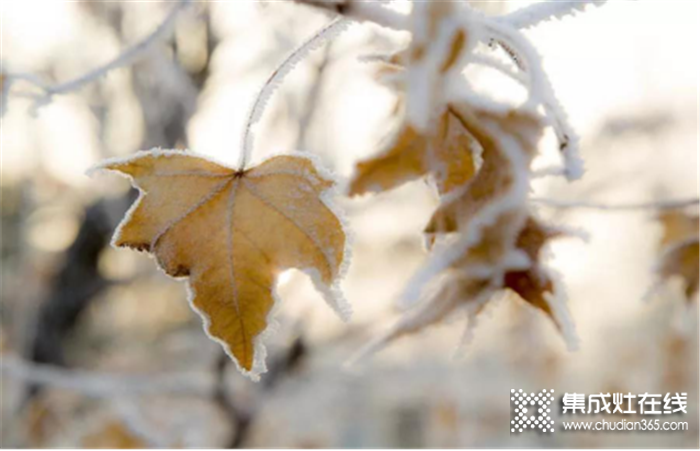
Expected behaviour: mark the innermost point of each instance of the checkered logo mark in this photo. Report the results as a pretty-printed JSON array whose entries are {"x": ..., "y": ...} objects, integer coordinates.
[{"x": 531, "y": 411}]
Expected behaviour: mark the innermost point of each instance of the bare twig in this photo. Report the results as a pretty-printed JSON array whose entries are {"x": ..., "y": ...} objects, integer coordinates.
[
  {"x": 105, "y": 385},
  {"x": 73, "y": 286},
  {"x": 127, "y": 57},
  {"x": 659, "y": 205},
  {"x": 243, "y": 416},
  {"x": 239, "y": 419},
  {"x": 206, "y": 384},
  {"x": 313, "y": 101}
]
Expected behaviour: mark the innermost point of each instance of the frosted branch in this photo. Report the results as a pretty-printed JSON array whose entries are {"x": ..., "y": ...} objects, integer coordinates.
[
  {"x": 377, "y": 13},
  {"x": 658, "y": 205},
  {"x": 537, "y": 13},
  {"x": 495, "y": 64},
  {"x": 503, "y": 30},
  {"x": 105, "y": 385},
  {"x": 363, "y": 11},
  {"x": 541, "y": 92},
  {"x": 127, "y": 57}
]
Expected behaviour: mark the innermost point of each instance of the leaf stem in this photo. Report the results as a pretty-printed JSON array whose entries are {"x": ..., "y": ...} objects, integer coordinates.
[{"x": 329, "y": 31}]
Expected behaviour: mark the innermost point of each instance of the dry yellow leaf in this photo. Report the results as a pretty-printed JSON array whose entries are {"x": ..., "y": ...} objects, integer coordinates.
[
  {"x": 40, "y": 421},
  {"x": 231, "y": 232},
  {"x": 680, "y": 253},
  {"x": 473, "y": 280},
  {"x": 496, "y": 176},
  {"x": 432, "y": 138},
  {"x": 683, "y": 261},
  {"x": 532, "y": 283},
  {"x": 114, "y": 434},
  {"x": 678, "y": 226},
  {"x": 446, "y": 153}
]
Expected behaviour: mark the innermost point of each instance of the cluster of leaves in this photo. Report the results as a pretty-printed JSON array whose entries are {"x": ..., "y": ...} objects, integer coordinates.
[{"x": 484, "y": 237}]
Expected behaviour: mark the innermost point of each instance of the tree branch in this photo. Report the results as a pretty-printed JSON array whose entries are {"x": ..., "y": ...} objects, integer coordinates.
[
  {"x": 659, "y": 205},
  {"x": 239, "y": 419},
  {"x": 105, "y": 385},
  {"x": 127, "y": 57},
  {"x": 377, "y": 13},
  {"x": 362, "y": 11}
]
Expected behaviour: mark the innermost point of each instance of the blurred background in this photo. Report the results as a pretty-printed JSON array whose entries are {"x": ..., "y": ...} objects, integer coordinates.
[{"x": 128, "y": 362}]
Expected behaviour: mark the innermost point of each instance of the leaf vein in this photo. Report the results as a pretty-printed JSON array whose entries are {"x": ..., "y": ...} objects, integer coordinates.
[
  {"x": 279, "y": 211},
  {"x": 234, "y": 286},
  {"x": 188, "y": 174},
  {"x": 219, "y": 188}
]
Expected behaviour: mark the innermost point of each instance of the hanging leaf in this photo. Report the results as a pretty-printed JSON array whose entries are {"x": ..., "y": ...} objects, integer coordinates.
[
  {"x": 447, "y": 153},
  {"x": 432, "y": 138},
  {"x": 499, "y": 172},
  {"x": 231, "y": 233}
]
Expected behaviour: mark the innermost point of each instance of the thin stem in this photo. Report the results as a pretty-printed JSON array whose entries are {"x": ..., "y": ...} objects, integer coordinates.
[
  {"x": 330, "y": 31},
  {"x": 659, "y": 205}
]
